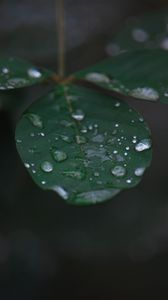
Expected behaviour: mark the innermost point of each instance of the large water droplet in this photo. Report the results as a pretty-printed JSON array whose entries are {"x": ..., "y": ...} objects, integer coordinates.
[
  {"x": 47, "y": 167},
  {"x": 139, "y": 171},
  {"x": 27, "y": 165},
  {"x": 34, "y": 73},
  {"x": 35, "y": 120},
  {"x": 97, "y": 78},
  {"x": 58, "y": 155},
  {"x": 5, "y": 70},
  {"x": 144, "y": 144},
  {"x": 78, "y": 115},
  {"x": 145, "y": 93},
  {"x": 118, "y": 171}
]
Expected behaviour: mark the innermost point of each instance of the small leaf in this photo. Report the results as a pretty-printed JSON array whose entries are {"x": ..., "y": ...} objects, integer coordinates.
[
  {"x": 142, "y": 74},
  {"x": 88, "y": 146},
  {"x": 144, "y": 32},
  {"x": 17, "y": 73}
]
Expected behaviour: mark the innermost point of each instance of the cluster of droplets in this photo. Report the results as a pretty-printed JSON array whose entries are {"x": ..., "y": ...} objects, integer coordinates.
[{"x": 9, "y": 81}]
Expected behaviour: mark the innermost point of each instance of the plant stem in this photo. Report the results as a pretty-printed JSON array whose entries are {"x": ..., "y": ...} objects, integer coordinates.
[{"x": 60, "y": 17}]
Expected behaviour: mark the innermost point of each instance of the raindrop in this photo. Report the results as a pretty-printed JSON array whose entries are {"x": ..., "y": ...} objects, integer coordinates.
[
  {"x": 97, "y": 78},
  {"x": 118, "y": 171},
  {"x": 84, "y": 130},
  {"x": 34, "y": 73},
  {"x": 144, "y": 144},
  {"x": 129, "y": 181},
  {"x": 117, "y": 104},
  {"x": 145, "y": 93},
  {"x": 140, "y": 35},
  {"x": 164, "y": 43},
  {"x": 47, "y": 167},
  {"x": 43, "y": 182},
  {"x": 58, "y": 155},
  {"x": 27, "y": 165},
  {"x": 139, "y": 171},
  {"x": 35, "y": 120},
  {"x": 78, "y": 115},
  {"x": 5, "y": 70}
]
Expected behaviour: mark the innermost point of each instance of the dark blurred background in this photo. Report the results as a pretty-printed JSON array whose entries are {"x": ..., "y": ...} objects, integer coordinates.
[{"x": 49, "y": 250}]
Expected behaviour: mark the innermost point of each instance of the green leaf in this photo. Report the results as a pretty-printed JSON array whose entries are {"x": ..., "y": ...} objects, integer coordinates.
[
  {"x": 17, "y": 73},
  {"x": 142, "y": 74},
  {"x": 84, "y": 145},
  {"x": 144, "y": 32}
]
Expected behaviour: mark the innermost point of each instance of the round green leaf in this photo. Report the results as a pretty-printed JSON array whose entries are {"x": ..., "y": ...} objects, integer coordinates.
[
  {"x": 147, "y": 31},
  {"x": 142, "y": 74},
  {"x": 17, "y": 73},
  {"x": 84, "y": 145}
]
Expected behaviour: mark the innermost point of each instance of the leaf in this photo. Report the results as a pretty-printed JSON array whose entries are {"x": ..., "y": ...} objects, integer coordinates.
[
  {"x": 17, "y": 73},
  {"x": 142, "y": 74},
  {"x": 84, "y": 145},
  {"x": 147, "y": 31}
]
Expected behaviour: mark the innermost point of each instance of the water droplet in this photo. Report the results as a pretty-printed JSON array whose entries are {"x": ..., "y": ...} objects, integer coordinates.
[
  {"x": 75, "y": 174},
  {"x": 80, "y": 139},
  {"x": 166, "y": 94},
  {"x": 58, "y": 155},
  {"x": 115, "y": 151},
  {"x": 34, "y": 73},
  {"x": 140, "y": 35},
  {"x": 61, "y": 191},
  {"x": 164, "y": 43},
  {"x": 90, "y": 127},
  {"x": 118, "y": 171},
  {"x": 84, "y": 130},
  {"x": 116, "y": 125},
  {"x": 47, "y": 167},
  {"x": 144, "y": 144},
  {"x": 34, "y": 171},
  {"x": 35, "y": 120},
  {"x": 27, "y": 165},
  {"x": 97, "y": 78},
  {"x": 78, "y": 115},
  {"x": 129, "y": 181},
  {"x": 43, "y": 182},
  {"x": 145, "y": 93},
  {"x": 5, "y": 70},
  {"x": 96, "y": 196},
  {"x": 139, "y": 171},
  {"x": 117, "y": 104},
  {"x": 127, "y": 148}
]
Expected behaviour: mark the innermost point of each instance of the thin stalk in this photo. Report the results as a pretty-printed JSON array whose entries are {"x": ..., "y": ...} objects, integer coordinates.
[{"x": 60, "y": 17}]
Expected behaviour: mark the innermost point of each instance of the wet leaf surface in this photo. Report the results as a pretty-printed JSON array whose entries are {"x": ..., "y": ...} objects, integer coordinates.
[
  {"x": 142, "y": 74},
  {"x": 17, "y": 73},
  {"x": 84, "y": 145}
]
